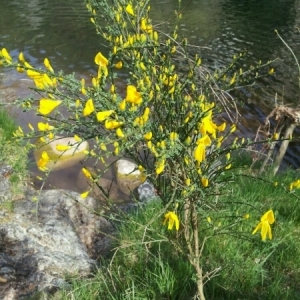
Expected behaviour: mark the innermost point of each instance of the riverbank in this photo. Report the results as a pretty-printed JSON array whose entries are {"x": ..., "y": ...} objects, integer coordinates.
[{"x": 260, "y": 270}]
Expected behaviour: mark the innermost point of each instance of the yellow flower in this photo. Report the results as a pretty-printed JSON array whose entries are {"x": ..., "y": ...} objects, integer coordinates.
[
  {"x": 208, "y": 219},
  {"x": 48, "y": 65},
  {"x": 233, "y": 128},
  {"x": 103, "y": 147},
  {"x": 119, "y": 133},
  {"x": 103, "y": 115},
  {"x": 87, "y": 173},
  {"x": 267, "y": 219},
  {"x": 77, "y": 138},
  {"x": 172, "y": 220},
  {"x": 119, "y": 65},
  {"x": 199, "y": 153},
  {"x": 142, "y": 66},
  {"x": 113, "y": 124},
  {"x": 51, "y": 136},
  {"x": 207, "y": 125},
  {"x": 100, "y": 60},
  {"x": 133, "y": 96},
  {"x": 117, "y": 149},
  {"x": 148, "y": 136},
  {"x": 145, "y": 26},
  {"x": 6, "y": 55},
  {"x": 89, "y": 108},
  {"x": 204, "y": 181},
  {"x": 42, "y": 162},
  {"x": 21, "y": 57},
  {"x": 129, "y": 9},
  {"x": 222, "y": 127},
  {"x": 160, "y": 166},
  {"x": 47, "y": 105},
  {"x": 205, "y": 140},
  {"x": 85, "y": 194},
  {"x": 173, "y": 136},
  {"x": 295, "y": 184},
  {"x": 122, "y": 105},
  {"x": 61, "y": 147},
  {"x": 44, "y": 126}
]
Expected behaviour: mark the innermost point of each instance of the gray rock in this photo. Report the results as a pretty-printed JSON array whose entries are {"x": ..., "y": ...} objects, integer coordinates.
[
  {"x": 143, "y": 194},
  {"x": 146, "y": 192},
  {"x": 48, "y": 235}
]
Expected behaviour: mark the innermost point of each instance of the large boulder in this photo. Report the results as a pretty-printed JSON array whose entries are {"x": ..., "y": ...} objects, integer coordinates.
[{"x": 49, "y": 234}]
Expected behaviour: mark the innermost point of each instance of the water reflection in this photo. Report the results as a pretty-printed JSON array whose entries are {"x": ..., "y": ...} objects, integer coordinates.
[{"x": 59, "y": 30}]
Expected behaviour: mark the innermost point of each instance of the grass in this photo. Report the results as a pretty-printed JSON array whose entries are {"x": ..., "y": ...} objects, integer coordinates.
[
  {"x": 146, "y": 264},
  {"x": 10, "y": 153},
  {"x": 7, "y": 125}
]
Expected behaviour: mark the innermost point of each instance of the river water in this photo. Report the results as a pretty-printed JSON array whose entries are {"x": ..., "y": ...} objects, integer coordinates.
[{"x": 61, "y": 31}]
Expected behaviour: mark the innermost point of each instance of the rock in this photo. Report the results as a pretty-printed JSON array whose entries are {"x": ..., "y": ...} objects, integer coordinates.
[
  {"x": 146, "y": 192},
  {"x": 48, "y": 235},
  {"x": 142, "y": 195},
  {"x": 61, "y": 159},
  {"x": 128, "y": 176}
]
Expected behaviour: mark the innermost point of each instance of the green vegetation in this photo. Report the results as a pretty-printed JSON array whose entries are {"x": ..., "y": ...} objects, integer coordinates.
[
  {"x": 7, "y": 125},
  {"x": 145, "y": 265},
  {"x": 10, "y": 153},
  {"x": 195, "y": 242}
]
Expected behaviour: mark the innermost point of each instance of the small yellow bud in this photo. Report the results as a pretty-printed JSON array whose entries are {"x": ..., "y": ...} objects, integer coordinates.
[
  {"x": 246, "y": 216},
  {"x": 271, "y": 71},
  {"x": 142, "y": 66},
  {"x": 30, "y": 127},
  {"x": 204, "y": 181},
  {"x": 119, "y": 65},
  {"x": 103, "y": 147},
  {"x": 85, "y": 194},
  {"x": 233, "y": 128},
  {"x": 120, "y": 133}
]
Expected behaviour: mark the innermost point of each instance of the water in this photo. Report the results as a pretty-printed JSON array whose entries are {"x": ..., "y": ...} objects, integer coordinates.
[{"x": 61, "y": 31}]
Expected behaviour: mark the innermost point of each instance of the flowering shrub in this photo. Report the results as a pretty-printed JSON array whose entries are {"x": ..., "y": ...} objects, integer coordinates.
[{"x": 166, "y": 120}]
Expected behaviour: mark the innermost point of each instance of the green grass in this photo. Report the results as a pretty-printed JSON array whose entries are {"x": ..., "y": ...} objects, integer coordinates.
[
  {"x": 7, "y": 125},
  {"x": 146, "y": 265},
  {"x": 11, "y": 153}
]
